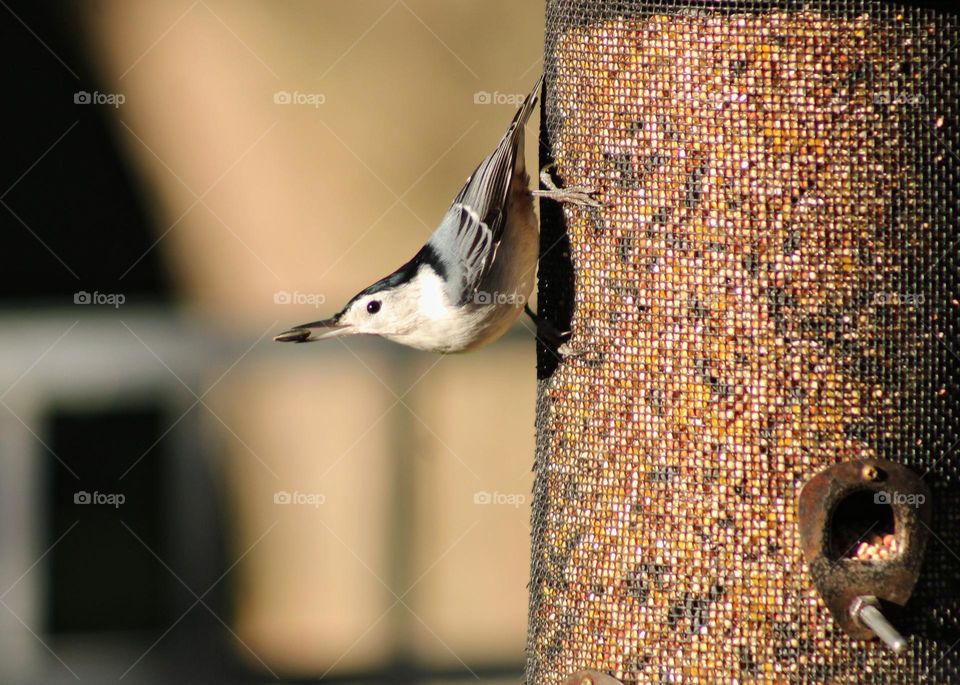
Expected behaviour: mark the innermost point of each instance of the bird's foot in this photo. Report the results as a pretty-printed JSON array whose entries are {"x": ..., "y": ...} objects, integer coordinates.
[
  {"x": 546, "y": 332},
  {"x": 577, "y": 196},
  {"x": 568, "y": 351}
]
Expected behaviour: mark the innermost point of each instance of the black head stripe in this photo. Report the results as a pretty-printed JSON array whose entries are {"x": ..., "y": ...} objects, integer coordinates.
[{"x": 427, "y": 255}]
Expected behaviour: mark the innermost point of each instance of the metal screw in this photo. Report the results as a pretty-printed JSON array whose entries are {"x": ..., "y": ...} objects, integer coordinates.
[{"x": 865, "y": 610}]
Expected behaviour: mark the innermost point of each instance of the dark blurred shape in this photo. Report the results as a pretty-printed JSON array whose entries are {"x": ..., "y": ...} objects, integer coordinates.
[
  {"x": 101, "y": 577},
  {"x": 555, "y": 293},
  {"x": 68, "y": 199}
]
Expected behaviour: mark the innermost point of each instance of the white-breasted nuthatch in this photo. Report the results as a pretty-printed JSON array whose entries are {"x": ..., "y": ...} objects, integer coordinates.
[{"x": 471, "y": 280}]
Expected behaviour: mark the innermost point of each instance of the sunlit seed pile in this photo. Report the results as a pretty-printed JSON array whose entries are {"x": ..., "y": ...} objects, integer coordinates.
[
  {"x": 760, "y": 297},
  {"x": 876, "y": 548}
]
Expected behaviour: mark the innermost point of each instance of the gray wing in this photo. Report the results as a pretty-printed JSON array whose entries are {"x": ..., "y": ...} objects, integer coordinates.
[
  {"x": 471, "y": 242},
  {"x": 470, "y": 232}
]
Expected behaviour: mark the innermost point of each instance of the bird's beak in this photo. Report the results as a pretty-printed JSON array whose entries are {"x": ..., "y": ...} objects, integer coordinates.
[{"x": 317, "y": 330}]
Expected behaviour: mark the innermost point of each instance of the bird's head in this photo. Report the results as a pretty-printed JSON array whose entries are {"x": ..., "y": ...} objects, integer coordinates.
[{"x": 391, "y": 308}]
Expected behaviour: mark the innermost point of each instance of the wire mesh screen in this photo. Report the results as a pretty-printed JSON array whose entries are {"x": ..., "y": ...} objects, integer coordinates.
[{"x": 770, "y": 287}]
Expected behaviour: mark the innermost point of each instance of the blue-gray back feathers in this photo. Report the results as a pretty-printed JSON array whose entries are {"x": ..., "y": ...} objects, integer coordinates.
[{"x": 470, "y": 232}]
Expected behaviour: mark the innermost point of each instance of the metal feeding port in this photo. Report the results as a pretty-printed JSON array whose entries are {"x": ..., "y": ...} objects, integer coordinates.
[
  {"x": 765, "y": 285},
  {"x": 864, "y": 529}
]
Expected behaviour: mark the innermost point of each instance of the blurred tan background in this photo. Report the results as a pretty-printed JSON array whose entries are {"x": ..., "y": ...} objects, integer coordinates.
[{"x": 375, "y": 500}]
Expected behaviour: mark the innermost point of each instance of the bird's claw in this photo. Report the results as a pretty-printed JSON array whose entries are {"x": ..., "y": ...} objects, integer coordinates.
[
  {"x": 569, "y": 351},
  {"x": 582, "y": 196},
  {"x": 546, "y": 332}
]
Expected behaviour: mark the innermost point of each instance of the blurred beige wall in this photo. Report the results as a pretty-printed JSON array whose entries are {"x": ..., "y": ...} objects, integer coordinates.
[{"x": 273, "y": 212}]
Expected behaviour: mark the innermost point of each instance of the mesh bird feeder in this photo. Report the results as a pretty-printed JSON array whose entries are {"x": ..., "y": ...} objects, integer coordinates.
[{"x": 765, "y": 303}]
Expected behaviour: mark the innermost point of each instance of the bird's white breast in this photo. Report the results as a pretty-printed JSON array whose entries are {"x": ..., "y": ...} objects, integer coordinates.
[{"x": 443, "y": 326}]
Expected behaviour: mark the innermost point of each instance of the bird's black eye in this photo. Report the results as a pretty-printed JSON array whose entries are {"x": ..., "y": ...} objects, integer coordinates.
[{"x": 373, "y": 306}]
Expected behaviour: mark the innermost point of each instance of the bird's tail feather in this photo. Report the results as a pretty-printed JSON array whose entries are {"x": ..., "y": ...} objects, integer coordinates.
[{"x": 526, "y": 108}]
